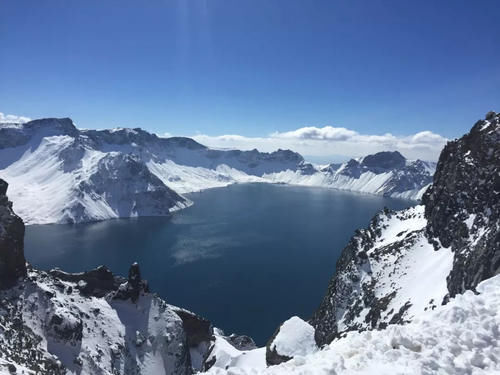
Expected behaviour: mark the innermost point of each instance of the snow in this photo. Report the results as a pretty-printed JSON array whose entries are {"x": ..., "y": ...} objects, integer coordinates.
[
  {"x": 413, "y": 274},
  {"x": 295, "y": 338},
  {"x": 187, "y": 179},
  {"x": 460, "y": 338},
  {"x": 227, "y": 356},
  {"x": 421, "y": 277}
]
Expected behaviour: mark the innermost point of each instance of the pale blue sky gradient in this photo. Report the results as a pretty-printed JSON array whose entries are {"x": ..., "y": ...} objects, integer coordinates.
[{"x": 252, "y": 67}]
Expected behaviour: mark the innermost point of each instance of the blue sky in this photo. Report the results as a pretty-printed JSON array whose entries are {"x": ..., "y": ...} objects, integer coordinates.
[{"x": 252, "y": 68}]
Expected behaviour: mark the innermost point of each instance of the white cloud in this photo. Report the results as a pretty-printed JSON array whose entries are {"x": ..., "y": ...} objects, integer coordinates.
[
  {"x": 332, "y": 144},
  {"x": 13, "y": 118},
  {"x": 310, "y": 132}
]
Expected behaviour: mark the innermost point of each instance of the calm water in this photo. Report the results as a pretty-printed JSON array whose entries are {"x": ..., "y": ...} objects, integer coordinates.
[{"x": 247, "y": 256}]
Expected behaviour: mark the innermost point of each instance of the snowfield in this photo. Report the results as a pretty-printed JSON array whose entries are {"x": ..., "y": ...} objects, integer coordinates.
[{"x": 460, "y": 338}]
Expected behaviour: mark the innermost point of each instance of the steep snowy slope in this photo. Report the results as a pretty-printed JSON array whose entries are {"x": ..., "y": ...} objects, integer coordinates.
[
  {"x": 56, "y": 176},
  {"x": 61, "y": 174}
]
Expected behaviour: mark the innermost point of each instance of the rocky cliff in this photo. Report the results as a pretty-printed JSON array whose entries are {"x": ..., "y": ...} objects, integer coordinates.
[
  {"x": 411, "y": 261},
  {"x": 462, "y": 207},
  {"x": 12, "y": 262}
]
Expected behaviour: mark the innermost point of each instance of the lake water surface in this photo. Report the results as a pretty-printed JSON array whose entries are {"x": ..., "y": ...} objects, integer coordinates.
[{"x": 247, "y": 257}]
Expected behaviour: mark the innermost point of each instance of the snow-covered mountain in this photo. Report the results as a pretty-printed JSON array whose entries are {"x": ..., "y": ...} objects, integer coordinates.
[
  {"x": 59, "y": 174},
  {"x": 418, "y": 292},
  {"x": 384, "y": 173}
]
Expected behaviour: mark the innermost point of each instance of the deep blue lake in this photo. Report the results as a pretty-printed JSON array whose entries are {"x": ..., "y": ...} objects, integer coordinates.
[{"x": 247, "y": 257}]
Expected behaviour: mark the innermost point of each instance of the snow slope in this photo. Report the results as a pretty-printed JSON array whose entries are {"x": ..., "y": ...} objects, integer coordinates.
[
  {"x": 460, "y": 338},
  {"x": 388, "y": 273},
  {"x": 60, "y": 174}
]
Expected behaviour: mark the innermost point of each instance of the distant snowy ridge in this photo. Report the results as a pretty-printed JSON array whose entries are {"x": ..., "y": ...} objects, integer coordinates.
[
  {"x": 384, "y": 173},
  {"x": 60, "y": 174}
]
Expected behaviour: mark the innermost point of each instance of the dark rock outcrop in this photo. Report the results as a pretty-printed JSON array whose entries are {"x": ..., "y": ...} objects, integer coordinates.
[
  {"x": 463, "y": 205},
  {"x": 241, "y": 342},
  {"x": 134, "y": 286},
  {"x": 272, "y": 356},
  {"x": 384, "y": 160},
  {"x": 12, "y": 261},
  {"x": 97, "y": 283},
  {"x": 198, "y": 329}
]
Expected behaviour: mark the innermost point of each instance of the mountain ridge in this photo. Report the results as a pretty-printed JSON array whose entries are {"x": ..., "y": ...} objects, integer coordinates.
[{"x": 53, "y": 156}]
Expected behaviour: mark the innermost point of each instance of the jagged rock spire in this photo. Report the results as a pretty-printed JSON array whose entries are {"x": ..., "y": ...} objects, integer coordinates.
[{"x": 134, "y": 286}]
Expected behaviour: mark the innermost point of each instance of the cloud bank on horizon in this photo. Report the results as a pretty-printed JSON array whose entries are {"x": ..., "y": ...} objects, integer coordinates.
[
  {"x": 13, "y": 119},
  {"x": 321, "y": 144},
  {"x": 330, "y": 143}
]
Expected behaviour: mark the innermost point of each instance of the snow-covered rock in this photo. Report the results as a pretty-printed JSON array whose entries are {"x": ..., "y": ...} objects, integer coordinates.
[
  {"x": 388, "y": 273},
  {"x": 293, "y": 338},
  {"x": 48, "y": 325},
  {"x": 61, "y": 174},
  {"x": 225, "y": 354}
]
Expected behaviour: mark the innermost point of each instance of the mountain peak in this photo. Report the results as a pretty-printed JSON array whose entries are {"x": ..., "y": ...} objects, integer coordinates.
[{"x": 384, "y": 160}]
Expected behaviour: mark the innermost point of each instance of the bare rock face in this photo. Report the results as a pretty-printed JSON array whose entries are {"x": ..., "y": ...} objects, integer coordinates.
[
  {"x": 12, "y": 261},
  {"x": 463, "y": 205}
]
